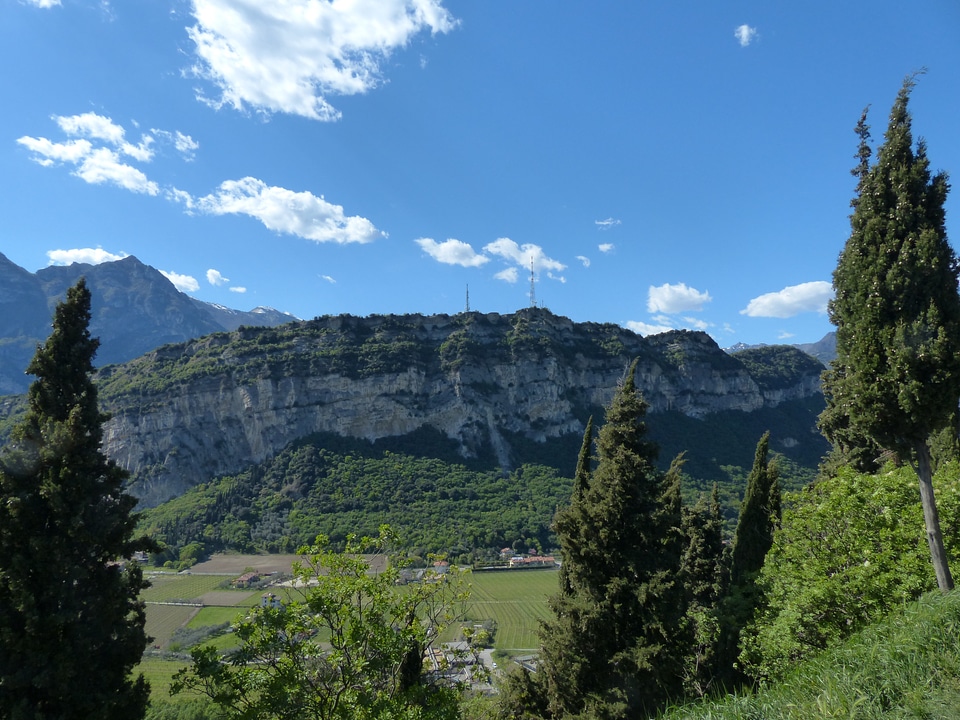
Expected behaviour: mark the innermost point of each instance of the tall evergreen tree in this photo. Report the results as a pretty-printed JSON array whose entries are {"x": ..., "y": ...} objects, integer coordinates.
[
  {"x": 759, "y": 516},
  {"x": 71, "y": 622},
  {"x": 607, "y": 650},
  {"x": 752, "y": 540},
  {"x": 896, "y": 378},
  {"x": 703, "y": 579}
]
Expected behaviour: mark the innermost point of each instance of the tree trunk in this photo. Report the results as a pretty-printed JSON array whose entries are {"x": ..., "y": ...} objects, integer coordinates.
[{"x": 931, "y": 519}]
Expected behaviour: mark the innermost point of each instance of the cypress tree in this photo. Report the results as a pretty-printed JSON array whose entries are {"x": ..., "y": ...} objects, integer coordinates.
[
  {"x": 71, "y": 622},
  {"x": 759, "y": 517},
  {"x": 703, "y": 581},
  {"x": 607, "y": 647},
  {"x": 896, "y": 379},
  {"x": 752, "y": 540}
]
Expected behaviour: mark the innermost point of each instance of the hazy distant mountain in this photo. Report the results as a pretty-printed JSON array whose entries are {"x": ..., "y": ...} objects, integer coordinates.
[
  {"x": 824, "y": 350},
  {"x": 134, "y": 310}
]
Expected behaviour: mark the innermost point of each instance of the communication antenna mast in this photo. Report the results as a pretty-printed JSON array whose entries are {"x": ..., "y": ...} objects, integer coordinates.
[
  {"x": 468, "y": 298},
  {"x": 533, "y": 286}
]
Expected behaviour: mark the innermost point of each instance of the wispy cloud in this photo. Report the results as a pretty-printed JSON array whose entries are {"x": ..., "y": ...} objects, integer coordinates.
[
  {"x": 745, "y": 35},
  {"x": 183, "y": 283},
  {"x": 183, "y": 144},
  {"x": 519, "y": 257},
  {"x": 695, "y": 323},
  {"x": 792, "y": 300},
  {"x": 214, "y": 277},
  {"x": 90, "y": 256},
  {"x": 285, "y": 211},
  {"x": 606, "y": 247},
  {"x": 328, "y": 279},
  {"x": 646, "y": 328},
  {"x": 238, "y": 289},
  {"x": 97, "y": 149},
  {"x": 524, "y": 256},
  {"x": 584, "y": 260},
  {"x": 44, "y": 3},
  {"x": 99, "y": 152},
  {"x": 677, "y": 298},
  {"x": 606, "y": 224},
  {"x": 291, "y": 57},
  {"x": 452, "y": 252}
]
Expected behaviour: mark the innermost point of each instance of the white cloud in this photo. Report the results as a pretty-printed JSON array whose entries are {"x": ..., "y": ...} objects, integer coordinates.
[
  {"x": 452, "y": 252},
  {"x": 47, "y": 152},
  {"x": 784, "y": 335},
  {"x": 297, "y": 213},
  {"x": 44, "y": 3},
  {"x": 214, "y": 277},
  {"x": 584, "y": 259},
  {"x": 103, "y": 165},
  {"x": 183, "y": 144},
  {"x": 328, "y": 279},
  {"x": 91, "y": 125},
  {"x": 695, "y": 323},
  {"x": 606, "y": 224},
  {"x": 96, "y": 146},
  {"x": 510, "y": 275},
  {"x": 678, "y": 298},
  {"x": 792, "y": 300},
  {"x": 238, "y": 289},
  {"x": 605, "y": 247},
  {"x": 647, "y": 329},
  {"x": 183, "y": 283},
  {"x": 523, "y": 255},
  {"x": 90, "y": 256},
  {"x": 289, "y": 57},
  {"x": 745, "y": 35}
]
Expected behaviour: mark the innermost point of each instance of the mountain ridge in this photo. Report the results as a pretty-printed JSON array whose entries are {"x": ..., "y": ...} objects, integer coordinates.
[
  {"x": 134, "y": 310},
  {"x": 490, "y": 383}
]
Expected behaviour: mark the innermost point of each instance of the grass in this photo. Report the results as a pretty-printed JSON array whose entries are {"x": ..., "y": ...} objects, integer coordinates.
[
  {"x": 159, "y": 674},
  {"x": 907, "y": 666},
  {"x": 166, "y": 587},
  {"x": 516, "y": 600},
  {"x": 215, "y": 615},
  {"x": 164, "y": 620}
]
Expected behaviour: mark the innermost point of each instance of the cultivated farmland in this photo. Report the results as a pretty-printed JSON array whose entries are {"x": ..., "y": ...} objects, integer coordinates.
[{"x": 517, "y": 600}]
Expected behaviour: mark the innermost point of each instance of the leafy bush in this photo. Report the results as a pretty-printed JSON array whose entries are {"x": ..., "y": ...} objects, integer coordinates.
[{"x": 850, "y": 549}]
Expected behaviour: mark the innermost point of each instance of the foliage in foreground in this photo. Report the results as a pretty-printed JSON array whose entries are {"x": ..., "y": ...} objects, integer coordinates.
[
  {"x": 71, "y": 621},
  {"x": 351, "y": 646},
  {"x": 896, "y": 378},
  {"x": 849, "y": 550},
  {"x": 906, "y": 666}
]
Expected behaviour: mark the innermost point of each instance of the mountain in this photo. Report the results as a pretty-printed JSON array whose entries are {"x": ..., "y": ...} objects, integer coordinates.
[
  {"x": 824, "y": 350},
  {"x": 134, "y": 310},
  {"x": 500, "y": 390}
]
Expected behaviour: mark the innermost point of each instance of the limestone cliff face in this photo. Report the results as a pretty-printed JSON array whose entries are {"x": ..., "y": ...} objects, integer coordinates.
[{"x": 189, "y": 412}]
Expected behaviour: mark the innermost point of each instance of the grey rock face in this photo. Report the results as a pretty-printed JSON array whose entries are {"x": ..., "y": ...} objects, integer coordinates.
[{"x": 186, "y": 413}]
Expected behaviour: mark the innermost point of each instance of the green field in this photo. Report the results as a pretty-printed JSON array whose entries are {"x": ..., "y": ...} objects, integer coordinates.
[
  {"x": 165, "y": 587},
  {"x": 164, "y": 620},
  {"x": 517, "y": 600}
]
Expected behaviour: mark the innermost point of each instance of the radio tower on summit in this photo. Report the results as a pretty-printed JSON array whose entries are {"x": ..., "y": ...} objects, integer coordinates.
[{"x": 533, "y": 286}]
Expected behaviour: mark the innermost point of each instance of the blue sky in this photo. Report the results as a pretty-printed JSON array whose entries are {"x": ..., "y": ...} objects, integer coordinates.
[{"x": 660, "y": 164}]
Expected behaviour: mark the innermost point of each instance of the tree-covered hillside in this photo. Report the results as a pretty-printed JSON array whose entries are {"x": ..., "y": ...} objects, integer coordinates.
[{"x": 310, "y": 488}]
